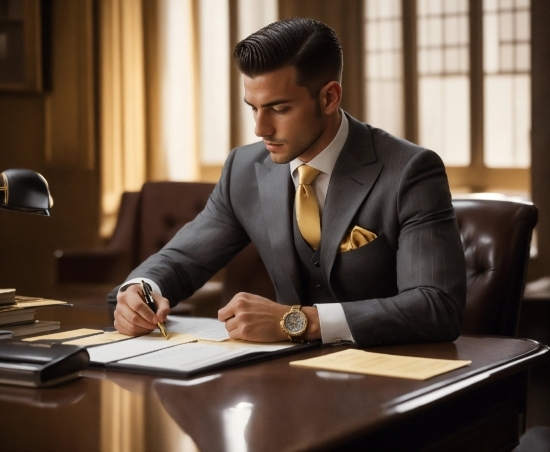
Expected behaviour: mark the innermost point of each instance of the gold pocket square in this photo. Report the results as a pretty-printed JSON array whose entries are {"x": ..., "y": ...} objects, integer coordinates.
[{"x": 356, "y": 238}]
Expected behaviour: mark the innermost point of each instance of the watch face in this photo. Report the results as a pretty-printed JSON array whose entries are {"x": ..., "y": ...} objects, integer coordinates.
[{"x": 295, "y": 322}]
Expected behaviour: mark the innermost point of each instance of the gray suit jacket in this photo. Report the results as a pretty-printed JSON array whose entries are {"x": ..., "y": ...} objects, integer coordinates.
[{"x": 407, "y": 285}]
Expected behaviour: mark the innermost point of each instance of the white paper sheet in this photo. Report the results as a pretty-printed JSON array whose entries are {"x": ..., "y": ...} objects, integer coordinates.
[
  {"x": 200, "y": 327},
  {"x": 116, "y": 351},
  {"x": 189, "y": 357}
]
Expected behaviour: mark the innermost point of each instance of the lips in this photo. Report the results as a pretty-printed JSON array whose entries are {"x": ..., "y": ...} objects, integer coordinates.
[{"x": 272, "y": 146}]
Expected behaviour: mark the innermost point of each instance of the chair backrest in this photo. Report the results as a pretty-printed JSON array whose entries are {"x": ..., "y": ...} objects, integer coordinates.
[
  {"x": 164, "y": 208},
  {"x": 496, "y": 236}
]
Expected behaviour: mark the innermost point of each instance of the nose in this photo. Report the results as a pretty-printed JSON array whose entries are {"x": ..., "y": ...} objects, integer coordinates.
[{"x": 264, "y": 126}]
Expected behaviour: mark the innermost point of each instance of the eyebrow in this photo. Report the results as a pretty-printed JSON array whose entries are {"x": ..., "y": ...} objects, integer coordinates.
[{"x": 270, "y": 104}]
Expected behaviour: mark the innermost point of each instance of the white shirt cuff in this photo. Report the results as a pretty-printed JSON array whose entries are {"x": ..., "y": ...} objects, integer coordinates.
[
  {"x": 153, "y": 284},
  {"x": 334, "y": 326}
]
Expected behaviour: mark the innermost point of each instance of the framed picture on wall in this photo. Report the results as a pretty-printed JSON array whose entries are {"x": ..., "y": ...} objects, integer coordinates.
[{"x": 20, "y": 45}]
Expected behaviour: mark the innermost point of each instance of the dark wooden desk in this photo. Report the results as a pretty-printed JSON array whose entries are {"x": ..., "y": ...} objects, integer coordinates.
[{"x": 271, "y": 406}]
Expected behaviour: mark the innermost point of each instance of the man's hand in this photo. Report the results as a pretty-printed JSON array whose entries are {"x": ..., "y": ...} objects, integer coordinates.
[
  {"x": 254, "y": 318},
  {"x": 133, "y": 317}
]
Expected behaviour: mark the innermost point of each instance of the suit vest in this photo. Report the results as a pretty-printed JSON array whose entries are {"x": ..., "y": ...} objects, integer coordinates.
[{"x": 314, "y": 288}]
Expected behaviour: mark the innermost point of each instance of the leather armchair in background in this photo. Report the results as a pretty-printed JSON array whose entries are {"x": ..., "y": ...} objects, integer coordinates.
[{"x": 147, "y": 220}]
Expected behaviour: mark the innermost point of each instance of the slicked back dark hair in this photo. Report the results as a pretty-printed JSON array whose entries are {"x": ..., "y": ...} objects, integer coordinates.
[{"x": 312, "y": 47}]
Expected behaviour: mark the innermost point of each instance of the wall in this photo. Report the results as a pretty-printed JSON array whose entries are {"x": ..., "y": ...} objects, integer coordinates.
[
  {"x": 53, "y": 132},
  {"x": 540, "y": 133}
]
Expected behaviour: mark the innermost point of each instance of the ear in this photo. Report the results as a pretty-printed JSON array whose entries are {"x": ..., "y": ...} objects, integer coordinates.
[{"x": 330, "y": 97}]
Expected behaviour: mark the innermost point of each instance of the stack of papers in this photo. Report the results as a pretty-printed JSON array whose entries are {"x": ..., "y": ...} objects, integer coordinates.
[
  {"x": 17, "y": 318},
  {"x": 194, "y": 344}
]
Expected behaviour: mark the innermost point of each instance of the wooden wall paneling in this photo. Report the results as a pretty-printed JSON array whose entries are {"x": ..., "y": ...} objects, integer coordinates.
[
  {"x": 70, "y": 120},
  {"x": 540, "y": 132}
]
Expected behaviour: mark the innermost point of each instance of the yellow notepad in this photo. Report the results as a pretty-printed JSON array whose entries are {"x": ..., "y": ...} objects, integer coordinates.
[{"x": 368, "y": 363}]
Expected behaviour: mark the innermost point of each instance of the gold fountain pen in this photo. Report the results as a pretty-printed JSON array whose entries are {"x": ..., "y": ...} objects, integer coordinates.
[{"x": 152, "y": 306}]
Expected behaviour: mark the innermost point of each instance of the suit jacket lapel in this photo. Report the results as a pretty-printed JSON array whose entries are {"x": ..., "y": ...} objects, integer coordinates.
[
  {"x": 276, "y": 197},
  {"x": 354, "y": 175}
]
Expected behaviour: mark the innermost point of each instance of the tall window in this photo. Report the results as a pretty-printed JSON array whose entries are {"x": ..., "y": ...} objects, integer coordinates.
[{"x": 468, "y": 75}]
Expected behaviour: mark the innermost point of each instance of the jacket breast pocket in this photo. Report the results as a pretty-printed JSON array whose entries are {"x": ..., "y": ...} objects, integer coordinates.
[{"x": 366, "y": 272}]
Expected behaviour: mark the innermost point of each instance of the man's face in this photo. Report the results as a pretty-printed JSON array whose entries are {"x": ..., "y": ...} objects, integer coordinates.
[{"x": 287, "y": 118}]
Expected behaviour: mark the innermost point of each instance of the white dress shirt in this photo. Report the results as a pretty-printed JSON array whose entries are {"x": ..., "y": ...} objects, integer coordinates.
[{"x": 334, "y": 326}]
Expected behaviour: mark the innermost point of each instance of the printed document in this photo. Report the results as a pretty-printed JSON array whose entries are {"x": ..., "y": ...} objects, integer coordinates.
[
  {"x": 190, "y": 357},
  {"x": 152, "y": 342}
]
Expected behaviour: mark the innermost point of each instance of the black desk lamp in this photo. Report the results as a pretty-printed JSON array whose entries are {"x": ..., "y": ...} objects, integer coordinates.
[{"x": 25, "y": 191}]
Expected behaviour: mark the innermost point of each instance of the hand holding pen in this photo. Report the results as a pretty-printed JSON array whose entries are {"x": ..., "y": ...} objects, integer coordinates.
[{"x": 148, "y": 298}]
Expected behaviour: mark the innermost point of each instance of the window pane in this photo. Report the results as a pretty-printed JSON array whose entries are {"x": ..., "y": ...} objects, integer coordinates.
[
  {"x": 490, "y": 43},
  {"x": 373, "y": 36},
  {"x": 507, "y": 97},
  {"x": 444, "y": 103},
  {"x": 523, "y": 57},
  {"x": 444, "y": 118},
  {"x": 435, "y": 61},
  {"x": 507, "y": 121},
  {"x": 214, "y": 81},
  {"x": 435, "y": 30},
  {"x": 434, "y": 7},
  {"x": 385, "y": 35},
  {"x": 384, "y": 93},
  {"x": 523, "y": 27},
  {"x": 451, "y": 30},
  {"x": 373, "y": 66},
  {"x": 251, "y": 16},
  {"x": 452, "y": 60},
  {"x": 384, "y": 100},
  {"x": 452, "y": 6},
  {"x": 423, "y": 33},
  {"x": 507, "y": 57},
  {"x": 506, "y": 26}
]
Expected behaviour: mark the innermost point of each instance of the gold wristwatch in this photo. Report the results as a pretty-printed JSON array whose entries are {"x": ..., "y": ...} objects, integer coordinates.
[{"x": 294, "y": 324}]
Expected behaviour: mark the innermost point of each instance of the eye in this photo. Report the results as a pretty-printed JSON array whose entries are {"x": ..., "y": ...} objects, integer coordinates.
[{"x": 281, "y": 111}]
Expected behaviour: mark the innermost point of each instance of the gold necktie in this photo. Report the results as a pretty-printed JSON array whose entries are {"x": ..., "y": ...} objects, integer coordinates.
[{"x": 307, "y": 209}]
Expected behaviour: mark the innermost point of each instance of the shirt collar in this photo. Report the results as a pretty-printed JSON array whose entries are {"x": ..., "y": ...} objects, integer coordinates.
[{"x": 326, "y": 159}]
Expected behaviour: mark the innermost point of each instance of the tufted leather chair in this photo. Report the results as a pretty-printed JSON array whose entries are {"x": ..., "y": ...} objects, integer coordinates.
[
  {"x": 147, "y": 220},
  {"x": 496, "y": 236}
]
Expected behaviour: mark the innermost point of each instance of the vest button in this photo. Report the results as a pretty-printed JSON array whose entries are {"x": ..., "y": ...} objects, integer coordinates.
[
  {"x": 317, "y": 286},
  {"x": 317, "y": 264}
]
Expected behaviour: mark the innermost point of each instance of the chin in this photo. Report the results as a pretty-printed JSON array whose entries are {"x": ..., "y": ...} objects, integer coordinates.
[{"x": 275, "y": 158}]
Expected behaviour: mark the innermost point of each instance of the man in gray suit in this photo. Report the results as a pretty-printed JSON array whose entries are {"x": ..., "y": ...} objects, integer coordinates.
[{"x": 375, "y": 259}]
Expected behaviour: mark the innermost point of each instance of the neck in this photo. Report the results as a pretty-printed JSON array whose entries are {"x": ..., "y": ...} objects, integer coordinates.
[{"x": 332, "y": 126}]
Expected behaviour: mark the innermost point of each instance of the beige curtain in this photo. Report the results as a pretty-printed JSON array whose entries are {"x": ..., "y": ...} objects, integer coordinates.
[
  {"x": 122, "y": 104},
  {"x": 172, "y": 87},
  {"x": 148, "y": 101}
]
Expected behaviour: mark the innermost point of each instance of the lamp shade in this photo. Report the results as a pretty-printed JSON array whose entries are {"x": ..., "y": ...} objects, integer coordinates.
[{"x": 25, "y": 191}]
